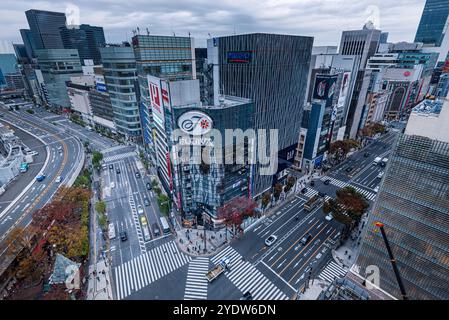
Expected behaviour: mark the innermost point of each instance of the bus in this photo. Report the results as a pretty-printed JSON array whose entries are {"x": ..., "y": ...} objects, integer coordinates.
[
  {"x": 111, "y": 231},
  {"x": 24, "y": 167},
  {"x": 165, "y": 226},
  {"x": 313, "y": 202}
]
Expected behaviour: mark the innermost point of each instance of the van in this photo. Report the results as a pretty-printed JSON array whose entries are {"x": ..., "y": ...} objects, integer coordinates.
[{"x": 111, "y": 231}]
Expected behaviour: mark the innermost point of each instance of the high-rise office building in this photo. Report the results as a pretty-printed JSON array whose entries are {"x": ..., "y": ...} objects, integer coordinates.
[
  {"x": 363, "y": 43},
  {"x": 415, "y": 213},
  {"x": 272, "y": 71},
  {"x": 120, "y": 73},
  {"x": 433, "y": 23},
  {"x": 21, "y": 53},
  {"x": 57, "y": 66},
  {"x": 44, "y": 27},
  {"x": 165, "y": 57},
  {"x": 30, "y": 47},
  {"x": 86, "y": 39}
]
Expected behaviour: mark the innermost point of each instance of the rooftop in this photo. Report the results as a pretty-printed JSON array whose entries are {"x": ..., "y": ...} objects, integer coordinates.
[{"x": 429, "y": 108}]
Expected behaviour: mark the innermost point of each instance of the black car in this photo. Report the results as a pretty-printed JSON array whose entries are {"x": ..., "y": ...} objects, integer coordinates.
[
  {"x": 366, "y": 154},
  {"x": 111, "y": 167},
  {"x": 117, "y": 171},
  {"x": 149, "y": 186},
  {"x": 156, "y": 230},
  {"x": 304, "y": 190},
  {"x": 247, "y": 296},
  {"x": 349, "y": 169},
  {"x": 306, "y": 239},
  {"x": 123, "y": 236},
  {"x": 327, "y": 181},
  {"x": 312, "y": 183},
  {"x": 322, "y": 194}
]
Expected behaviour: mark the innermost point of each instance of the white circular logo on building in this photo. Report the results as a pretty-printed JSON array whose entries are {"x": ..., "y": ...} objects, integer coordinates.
[{"x": 195, "y": 123}]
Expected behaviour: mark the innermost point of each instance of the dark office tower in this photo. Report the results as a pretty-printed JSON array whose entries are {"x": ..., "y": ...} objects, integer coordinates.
[
  {"x": 44, "y": 26},
  {"x": 271, "y": 70},
  {"x": 363, "y": 43},
  {"x": 86, "y": 39},
  {"x": 21, "y": 53},
  {"x": 413, "y": 204},
  {"x": 28, "y": 42},
  {"x": 201, "y": 73},
  {"x": 433, "y": 23}
]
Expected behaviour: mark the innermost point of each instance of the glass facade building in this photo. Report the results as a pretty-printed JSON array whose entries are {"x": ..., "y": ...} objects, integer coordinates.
[
  {"x": 86, "y": 39},
  {"x": 44, "y": 27},
  {"x": 120, "y": 73},
  {"x": 165, "y": 57},
  {"x": 416, "y": 219},
  {"x": 433, "y": 23},
  {"x": 272, "y": 71},
  {"x": 57, "y": 66}
]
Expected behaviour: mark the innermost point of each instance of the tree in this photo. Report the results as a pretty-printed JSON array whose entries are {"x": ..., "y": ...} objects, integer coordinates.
[
  {"x": 100, "y": 207},
  {"x": 235, "y": 211},
  {"x": 96, "y": 159},
  {"x": 266, "y": 199},
  {"x": 290, "y": 183},
  {"x": 164, "y": 203},
  {"x": 277, "y": 191},
  {"x": 19, "y": 238}
]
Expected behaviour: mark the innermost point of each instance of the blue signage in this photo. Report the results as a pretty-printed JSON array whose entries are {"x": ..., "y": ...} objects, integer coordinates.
[
  {"x": 239, "y": 56},
  {"x": 101, "y": 87}
]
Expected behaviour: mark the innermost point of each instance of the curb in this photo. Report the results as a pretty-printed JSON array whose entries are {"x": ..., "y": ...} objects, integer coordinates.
[{"x": 47, "y": 149}]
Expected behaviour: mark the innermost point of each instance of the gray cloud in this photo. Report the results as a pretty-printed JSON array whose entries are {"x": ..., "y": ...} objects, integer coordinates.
[{"x": 322, "y": 19}]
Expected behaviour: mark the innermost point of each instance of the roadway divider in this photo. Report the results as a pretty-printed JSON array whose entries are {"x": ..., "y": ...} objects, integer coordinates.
[
  {"x": 80, "y": 164},
  {"x": 14, "y": 202}
]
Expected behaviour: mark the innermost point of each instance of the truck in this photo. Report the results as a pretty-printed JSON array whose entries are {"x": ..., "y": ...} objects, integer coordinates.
[
  {"x": 313, "y": 202},
  {"x": 218, "y": 269},
  {"x": 377, "y": 160}
]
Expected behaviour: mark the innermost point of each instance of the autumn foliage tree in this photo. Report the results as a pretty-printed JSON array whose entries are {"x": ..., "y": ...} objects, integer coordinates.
[
  {"x": 235, "y": 211},
  {"x": 277, "y": 190},
  {"x": 266, "y": 199},
  {"x": 290, "y": 183}
]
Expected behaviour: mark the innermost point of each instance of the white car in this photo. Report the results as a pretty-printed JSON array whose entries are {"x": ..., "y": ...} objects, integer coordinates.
[
  {"x": 139, "y": 209},
  {"x": 329, "y": 217},
  {"x": 380, "y": 175},
  {"x": 58, "y": 179},
  {"x": 376, "y": 189},
  {"x": 270, "y": 240},
  {"x": 112, "y": 185}
]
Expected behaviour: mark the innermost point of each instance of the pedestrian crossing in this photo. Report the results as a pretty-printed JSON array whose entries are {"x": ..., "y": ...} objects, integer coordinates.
[
  {"x": 310, "y": 193},
  {"x": 196, "y": 286},
  {"x": 247, "y": 278},
  {"x": 117, "y": 157},
  {"x": 143, "y": 270},
  {"x": 332, "y": 271},
  {"x": 132, "y": 204},
  {"x": 114, "y": 148},
  {"x": 369, "y": 195}
]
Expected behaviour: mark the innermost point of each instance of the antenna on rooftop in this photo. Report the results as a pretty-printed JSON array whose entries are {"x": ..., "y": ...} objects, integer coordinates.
[
  {"x": 148, "y": 32},
  {"x": 138, "y": 30}
]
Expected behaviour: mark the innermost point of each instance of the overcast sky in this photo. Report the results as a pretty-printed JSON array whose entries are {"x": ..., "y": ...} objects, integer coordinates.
[{"x": 322, "y": 19}]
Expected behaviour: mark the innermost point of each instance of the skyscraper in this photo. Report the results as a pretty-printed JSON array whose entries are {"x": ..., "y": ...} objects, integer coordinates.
[
  {"x": 86, "y": 39},
  {"x": 272, "y": 71},
  {"x": 415, "y": 213},
  {"x": 433, "y": 23},
  {"x": 119, "y": 65},
  {"x": 363, "y": 43},
  {"x": 27, "y": 38},
  {"x": 44, "y": 27},
  {"x": 165, "y": 57}
]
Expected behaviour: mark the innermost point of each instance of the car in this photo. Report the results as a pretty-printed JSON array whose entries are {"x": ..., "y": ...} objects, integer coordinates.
[
  {"x": 117, "y": 171},
  {"x": 327, "y": 182},
  {"x": 247, "y": 296},
  {"x": 349, "y": 169},
  {"x": 306, "y": 239},
  {"x": 380, "y": 175},
  {"x": 123, "y": 236},
  {"x": 139, "y": 209},
  {"x": 312, "y": 183},
  {"x": 111, "y": 166},
  {"x": 104, "y": 166},
  {"x": 146, "y": 202},
  {"x": 156, "y": 230},
  {"x": 270, "y": 240},
  {"x": 40, "y": 177},
  {"x": 58, "y": 179},
  {"x": 322, "y": 194},
  {"x": 112, "y": 185},
  {"x": 60, "y": 148},
  {"x": 143, "y": 221},
  {"x": 304, "y": 190},
  {"x": 137, "y": 174},
  {"x": 149, "y": 186},
  {"x": 376, "y": 189},
  {"x": 329, "y": 217},
  {"x": 366, "y": 154}
]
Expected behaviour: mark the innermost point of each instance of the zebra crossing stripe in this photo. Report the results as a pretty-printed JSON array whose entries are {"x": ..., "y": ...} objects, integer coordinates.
[
  {"x": 332, "y": 271},
  {"x": 196, "y": 285},
  {"x": 119, "y": 156}
]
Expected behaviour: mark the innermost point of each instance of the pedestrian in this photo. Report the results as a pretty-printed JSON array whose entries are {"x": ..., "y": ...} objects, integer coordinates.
[{"x": 346, "y": 252}]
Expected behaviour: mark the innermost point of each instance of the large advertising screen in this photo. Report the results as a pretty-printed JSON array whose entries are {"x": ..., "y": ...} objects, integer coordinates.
[
  {"x": 239, "y": 57},
  {"x": 154, "y": 86},
  {"x": 344, "y": 89},
  {"x": 324, "y": 87}
]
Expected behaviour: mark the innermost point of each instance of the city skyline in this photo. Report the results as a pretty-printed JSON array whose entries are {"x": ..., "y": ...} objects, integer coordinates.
[{"x": 200, "y": 18}]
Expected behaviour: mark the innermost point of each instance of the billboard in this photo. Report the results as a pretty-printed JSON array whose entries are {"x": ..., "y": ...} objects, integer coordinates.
[
  {"x": 344, "y": 89},
  {"x": 324, "y": 87},
  {"x": 154, "y": 86},
  {"x": 239, "y": 56}
]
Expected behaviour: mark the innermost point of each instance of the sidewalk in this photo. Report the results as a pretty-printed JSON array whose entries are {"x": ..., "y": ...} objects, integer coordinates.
[
  {"x": 99, "y": 286},
  {"x": 316, "y": 286}
]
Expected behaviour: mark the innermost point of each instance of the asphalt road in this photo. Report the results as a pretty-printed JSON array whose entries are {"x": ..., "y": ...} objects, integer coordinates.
[{"x": 65, "y": 153}]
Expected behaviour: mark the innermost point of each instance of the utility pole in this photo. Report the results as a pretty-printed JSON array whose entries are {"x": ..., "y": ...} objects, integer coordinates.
[{"x": 392, "y": 260}]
